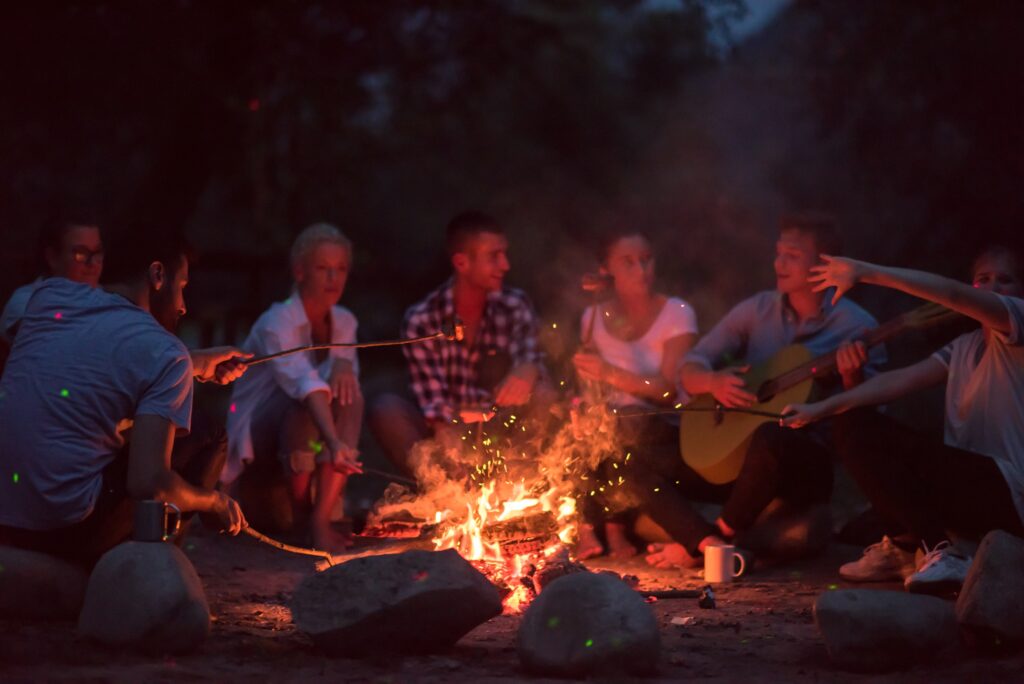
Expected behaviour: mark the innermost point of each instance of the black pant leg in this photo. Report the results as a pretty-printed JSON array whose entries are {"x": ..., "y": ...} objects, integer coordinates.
[{"x": 780, "y": 462}]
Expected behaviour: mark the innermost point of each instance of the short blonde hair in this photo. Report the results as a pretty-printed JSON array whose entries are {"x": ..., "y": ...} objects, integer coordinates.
[{"x": 315, "y": 235}]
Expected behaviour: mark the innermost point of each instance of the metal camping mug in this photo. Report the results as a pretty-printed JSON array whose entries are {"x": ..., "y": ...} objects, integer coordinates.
[{"x": 155, "y": 520}]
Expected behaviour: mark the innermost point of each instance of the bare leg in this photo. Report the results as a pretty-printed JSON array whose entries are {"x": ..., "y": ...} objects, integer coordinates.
[
  {"x": 619, "y": 545},
  {"x": 588, "y": 545}
]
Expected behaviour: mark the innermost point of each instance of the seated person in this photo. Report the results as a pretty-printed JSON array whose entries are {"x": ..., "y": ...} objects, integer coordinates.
[
  {"x": 70, "y": 248},
  {"x": 306, "y": 409},
  {"x": 498, "y": 362},
  {"x": 633, "y": 343},
  {"x": 974, "y": 481},
  {"x": 86, "y": 365},
  {"x": 778, "y": 463}
]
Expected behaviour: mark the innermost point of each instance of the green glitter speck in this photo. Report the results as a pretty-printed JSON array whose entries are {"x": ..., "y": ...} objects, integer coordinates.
[
  {"x": 589, "y": 643},
  {"x": 64, "y": 393}
]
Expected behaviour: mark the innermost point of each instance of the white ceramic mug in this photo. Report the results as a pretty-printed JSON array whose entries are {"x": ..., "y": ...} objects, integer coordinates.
[{"x": 722, "y": 563}]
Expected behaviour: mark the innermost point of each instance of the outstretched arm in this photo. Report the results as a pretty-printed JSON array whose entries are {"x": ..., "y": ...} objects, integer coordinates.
[
  {"x": 878, "y": 390},
  {"x": 981, "y": 305}
]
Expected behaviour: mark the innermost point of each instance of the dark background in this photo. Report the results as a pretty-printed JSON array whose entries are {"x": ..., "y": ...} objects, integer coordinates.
[{"x": 243, "y": 122}]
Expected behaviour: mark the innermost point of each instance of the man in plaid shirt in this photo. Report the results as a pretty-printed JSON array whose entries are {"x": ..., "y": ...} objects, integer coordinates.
[{"x": 498, "y": 363}]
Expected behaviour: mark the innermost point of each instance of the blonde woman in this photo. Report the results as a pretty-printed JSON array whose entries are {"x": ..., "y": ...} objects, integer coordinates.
[{"x": 304, "y": 409}]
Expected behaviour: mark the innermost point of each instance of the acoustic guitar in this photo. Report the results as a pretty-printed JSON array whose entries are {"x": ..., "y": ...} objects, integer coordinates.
[{"x": 714, "y": 443}]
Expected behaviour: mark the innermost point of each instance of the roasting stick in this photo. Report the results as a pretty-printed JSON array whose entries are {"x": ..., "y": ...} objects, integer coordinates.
[
  {"x": 453, "y": 333},
  {"x": 701, "y": 409},
  {"x": 301, "y": 550}
]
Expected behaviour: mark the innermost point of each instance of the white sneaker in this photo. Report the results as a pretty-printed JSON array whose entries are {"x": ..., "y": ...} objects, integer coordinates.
[
  {"x": 881, "y": 562},
  {"x": 942, "y": 571}
]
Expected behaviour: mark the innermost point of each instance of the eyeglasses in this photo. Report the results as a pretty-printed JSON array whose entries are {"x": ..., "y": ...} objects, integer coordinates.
[{"x": 84, "y": 255}]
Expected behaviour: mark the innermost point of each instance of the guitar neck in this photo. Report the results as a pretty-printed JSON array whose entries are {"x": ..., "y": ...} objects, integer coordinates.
[{"x": 826, "y": 363}]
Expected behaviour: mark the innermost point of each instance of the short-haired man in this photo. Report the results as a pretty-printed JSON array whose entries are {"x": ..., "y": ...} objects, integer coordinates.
[
  {"x": 498, "y": 362},
  {"x": 88, "y": 363},
  {"x": 779, "y": 463}
]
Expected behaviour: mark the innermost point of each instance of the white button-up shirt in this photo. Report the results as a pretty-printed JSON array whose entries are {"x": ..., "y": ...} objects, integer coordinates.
[{"x": 283, "y": 326}]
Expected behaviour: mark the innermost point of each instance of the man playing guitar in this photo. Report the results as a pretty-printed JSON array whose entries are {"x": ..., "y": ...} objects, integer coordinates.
[{"x": 778, "y": 463}]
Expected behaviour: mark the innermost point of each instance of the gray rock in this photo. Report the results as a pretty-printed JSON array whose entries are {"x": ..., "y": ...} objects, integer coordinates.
[
  {"x": 146, "y": 595},
  {"x": 35, "y": 586},
  {"x": 588, "y": 623},
  {"x": 990, "y": 608},
  {"x": 412, "y": 602},
  {"x": 871, "y": 630}
]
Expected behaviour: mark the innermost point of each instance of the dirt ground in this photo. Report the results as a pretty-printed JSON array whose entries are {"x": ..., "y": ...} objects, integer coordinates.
[{"x": 762, "y": 630}]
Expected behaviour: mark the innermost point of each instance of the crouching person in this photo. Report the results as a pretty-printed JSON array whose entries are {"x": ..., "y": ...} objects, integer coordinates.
[
  {"x": 87, "y": 365},
  {"x": 304, "y": 410}
]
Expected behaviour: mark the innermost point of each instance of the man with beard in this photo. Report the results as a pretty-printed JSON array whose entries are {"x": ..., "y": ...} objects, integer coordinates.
[
  {"x": 498, "y": 363},
  {"x": 87, "y": 365}
]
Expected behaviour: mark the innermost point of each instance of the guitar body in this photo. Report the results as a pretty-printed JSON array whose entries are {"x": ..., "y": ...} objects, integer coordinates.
[{"x": 715, "y": 444}]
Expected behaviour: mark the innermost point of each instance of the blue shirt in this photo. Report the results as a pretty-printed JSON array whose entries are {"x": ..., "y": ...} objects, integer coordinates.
[
  {"x": 758, "y": 327},
  {"x": 84, "y": 364}
]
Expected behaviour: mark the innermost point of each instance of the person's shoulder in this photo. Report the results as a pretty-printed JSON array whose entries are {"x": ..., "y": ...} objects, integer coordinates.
[
  {"x": 513, "y": 296},
  {"x": 759, "y": 303},
  {"x": 278, "y": 314},
  {"x": 343, "y": 316},
  {"x": 854, "y": 312},
  {"x": 431, "y": 303}
]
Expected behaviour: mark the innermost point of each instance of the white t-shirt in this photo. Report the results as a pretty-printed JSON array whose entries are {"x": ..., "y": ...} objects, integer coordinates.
[
  {"x": 644, "y": 355},
  {"x": 985, "y": 397},
  {"x": 283, "y": 326},
  {"x": 84, "y": 364}
]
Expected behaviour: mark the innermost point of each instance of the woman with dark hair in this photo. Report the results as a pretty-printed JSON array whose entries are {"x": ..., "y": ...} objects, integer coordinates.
[{"x": 637, "y": 338}]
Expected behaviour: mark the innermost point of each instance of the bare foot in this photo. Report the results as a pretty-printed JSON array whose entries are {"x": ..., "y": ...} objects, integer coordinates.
[
  {"x": 588, "y": 545},
  {"x": 326, "y": 538},
  {"x": 619, "y": 545},
  {"x": 670, "y": 556}
]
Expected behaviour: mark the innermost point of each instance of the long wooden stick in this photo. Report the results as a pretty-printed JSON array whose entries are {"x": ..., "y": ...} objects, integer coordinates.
[
  {"x": 345, "y": 345},
  {"x": 301, "y": 550}
]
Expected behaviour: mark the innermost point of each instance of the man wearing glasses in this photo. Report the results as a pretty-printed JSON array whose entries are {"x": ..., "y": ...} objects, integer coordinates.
[{"x": 72, "y": 248}]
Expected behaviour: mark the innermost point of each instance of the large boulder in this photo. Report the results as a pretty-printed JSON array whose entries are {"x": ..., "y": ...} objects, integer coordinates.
[
  {"x": 146, "y": 595},
  {"x": 412, "y": 602},
  {"x": 870, "y": 630},
  {"x": 990, "y": 608},
  {"x": 587, "y": 623},
  {"x": 36, "y": 586}
]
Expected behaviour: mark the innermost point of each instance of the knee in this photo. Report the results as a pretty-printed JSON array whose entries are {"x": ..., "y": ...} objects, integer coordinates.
[{"x": 298, "y": 423}]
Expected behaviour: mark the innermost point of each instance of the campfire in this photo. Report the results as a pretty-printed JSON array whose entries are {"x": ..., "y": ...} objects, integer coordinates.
[{"x": 508, "y": 503}]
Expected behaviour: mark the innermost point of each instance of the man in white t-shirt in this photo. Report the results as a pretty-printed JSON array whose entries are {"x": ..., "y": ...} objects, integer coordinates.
[
  {"x": 974, "y": 481},
  {"x": 86, "y": 365}
]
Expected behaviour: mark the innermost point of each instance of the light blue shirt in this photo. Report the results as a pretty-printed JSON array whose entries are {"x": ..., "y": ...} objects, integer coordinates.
[
  {"x": 84, "y": 364},
  {"x": 15, "y": 309},
  {"x": 758, "y": 327}
]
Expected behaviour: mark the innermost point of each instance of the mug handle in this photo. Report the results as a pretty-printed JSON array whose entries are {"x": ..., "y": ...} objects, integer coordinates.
[
  {"x": 736, "y": 572},
  {"x": 172, "y": 511}
]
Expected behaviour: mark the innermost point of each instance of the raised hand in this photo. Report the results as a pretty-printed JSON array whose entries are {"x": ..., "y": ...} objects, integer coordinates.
[{"x": 837, "y": 272}]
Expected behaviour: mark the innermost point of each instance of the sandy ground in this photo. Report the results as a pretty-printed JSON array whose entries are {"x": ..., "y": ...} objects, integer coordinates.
[{"x": 762, "y": 630}]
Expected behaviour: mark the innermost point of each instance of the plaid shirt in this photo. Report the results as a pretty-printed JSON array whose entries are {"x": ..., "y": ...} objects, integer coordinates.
[{"x": 444, "y": 374}]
